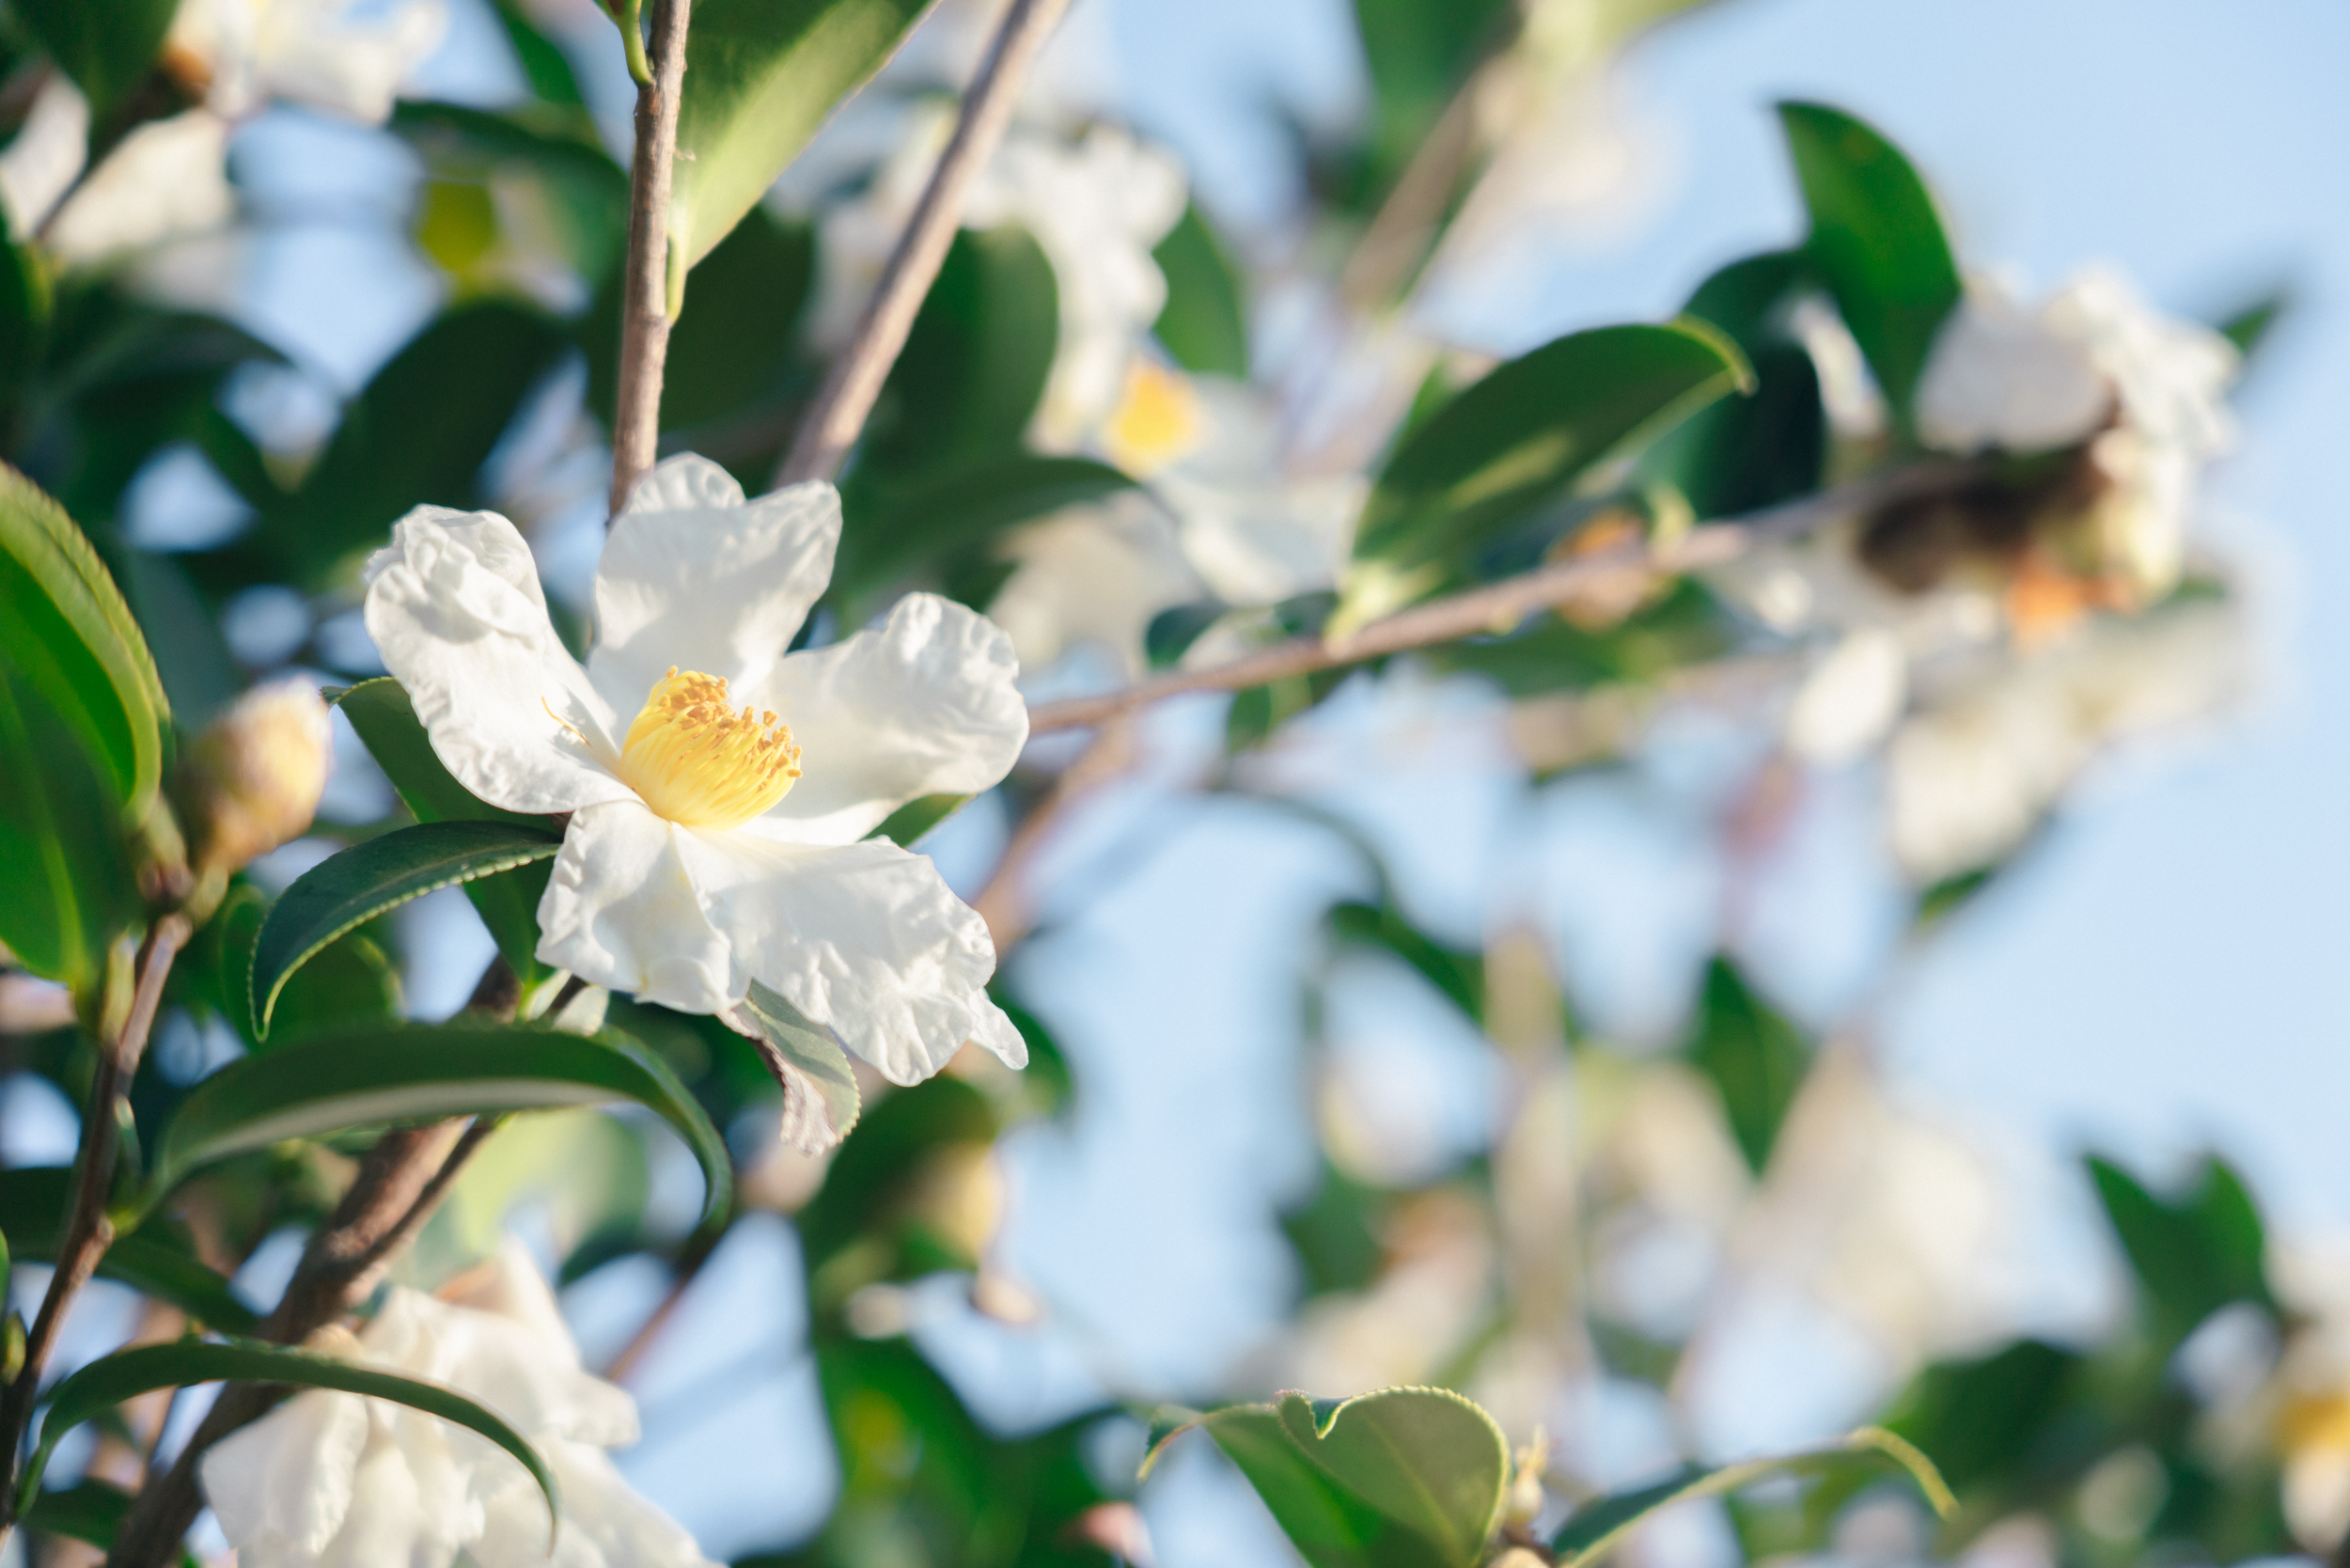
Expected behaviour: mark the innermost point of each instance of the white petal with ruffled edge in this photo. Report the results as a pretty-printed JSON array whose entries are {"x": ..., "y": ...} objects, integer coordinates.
[
  {"x": 866, "y": 938},
  {"x": 606, "y": 1523},
  {"x": 320, "y": 1435},
  {"x": 456, "y": 611},
  {"x": 620, "y": 911},
  {"x": 925, "y": 705},
  {"x": 693, "y": 576}
]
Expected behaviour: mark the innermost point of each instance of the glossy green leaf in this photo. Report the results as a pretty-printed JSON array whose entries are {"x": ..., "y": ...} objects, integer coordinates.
[
  {"x": 67, "y": 886},
  {"x": 896, "y": 528},
  {"x": 387, "y": 723},
  {"x": 372, "y": 1077},
  {"x": 1876, "y": 241},
  {"x": 1401, "y": 1477},
  {"x": 976, "y": 360},
  {"x": 351, "y": 983},
  {"x": 90, "y": 1511},
  {"x": 348, "y": 889},
  {"x": 1756, "y": 1058},
  {"x": 1742, "y": 454},
  {"x": 108, "y": 50},
  {"x": 1205, "y": 321},
  {"x": 111, "y": 1380},
  {"x": 419, "y": 433},
  {"x": 906, "y": 825},
  {"x": 1519, "y": 438},
  {"x": 820, "y": 1094},
  {"x": 761, "y": 76},
  {"x": 2193, "y": 1253},
  {"x": 155, "y": 1258},
  {"x": 1600, "y": 1526},
  {"x": 65, "y": 628}
]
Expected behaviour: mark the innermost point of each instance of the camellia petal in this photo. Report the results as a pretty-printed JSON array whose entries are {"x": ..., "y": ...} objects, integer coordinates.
[
  {"x": 866, "y": 938},
  {"x": 620, "y": 911},
  {"x": 925, "y": 705},
  {"x": 456, "y": 611},
  {"x": 695, "y": 578}
]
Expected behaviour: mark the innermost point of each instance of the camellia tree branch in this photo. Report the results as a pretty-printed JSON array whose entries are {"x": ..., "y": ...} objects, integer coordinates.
[
  {"x": 1499, "y": 606},
  {"x": 654, "y": 272},
  {"x": 89, "y": 1233},
  {"x": 833, "y": 421}
]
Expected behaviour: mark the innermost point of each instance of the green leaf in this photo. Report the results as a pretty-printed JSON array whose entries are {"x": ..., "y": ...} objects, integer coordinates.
[
  {"x": 733, "y": 351},
  {"x": 761, "y": 76},
  {"x": 387, "y": 723},
  {"x": 353, "y": 982},
  {"x": 156, "y": 1259},
  {"x": 1519, "y": 438},
  {"x": 1875, "y": 241},
  {"x": 1420, "y": 56},
  {"x": 1459, "y": 975},
  {"x": 67, "y": 886},
  {"x": 372, "y": 1077},
  {"x": 418, "y": 432},
  {"x": 976, "y": 359},
  {"x": 349, "y": 889},
  {"x": 1990, "y": 1416},
  {"x": 2248, "y": 328},
  {"x": 587, "y": 192},
  {"x": 2193, "y": 1253},
  {"x": 893, "y": 530},
  {"x": 1205, "y": 322},
  {"x": 111, "y": 1380},
  {"x": 906, "y": 825},
  {"x": 1745, "y": 453},
  {"x": 1401, "y": 1477},
  {"x": 91, "y": 1512},
  {"x": 107, "y": 50},
  {"x": 820, "y": 1094},
  {"x": 65, "y": 627},
  {"x": 1756, "y": 1058},
  {"x": 198, "y": 672},
  {"x": 1598, "y": 1528}
]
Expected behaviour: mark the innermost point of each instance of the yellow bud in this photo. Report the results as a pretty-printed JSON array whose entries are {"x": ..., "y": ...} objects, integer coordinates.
[{"x": 252, "y": 780}]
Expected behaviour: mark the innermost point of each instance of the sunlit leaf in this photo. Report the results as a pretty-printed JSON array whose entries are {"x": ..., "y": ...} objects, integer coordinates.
[
  {"x": 761, "y": 76},
  {"x": 334, "y": 1083},
  {"x": 1205, "y": 321},
  {"x": 906, "y": 825},
  {"x": 348, "y": 889},
  {"x": 67, "y": 888},
  {"x": 1401, "y": 1477},
  {"x": 820, "y": 1094}
]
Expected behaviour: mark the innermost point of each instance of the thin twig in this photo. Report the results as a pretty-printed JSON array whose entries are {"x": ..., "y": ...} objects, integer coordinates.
[
  {"x": 689, "y": 1268},
  {"x": 89, "y": 1233},
  {"x": 831, "y": 424},
  {"x": 654, "y": 272},
  {"x": 1500, "y": 606}
]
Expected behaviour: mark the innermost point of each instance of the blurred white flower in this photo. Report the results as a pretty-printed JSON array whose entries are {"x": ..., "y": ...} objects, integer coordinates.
[
  {"x": 342, "y": 56},
  {"x": 166, "y": 178},
  {"x": 46, "y": 156},
  {"x": 1093, "y": 577},
  {"x": 336, "y": 1479},
  {"x": 1850, "y": 700},
  {"x": 1971, "y": 775},
  {"x": 698, "y": 859}
]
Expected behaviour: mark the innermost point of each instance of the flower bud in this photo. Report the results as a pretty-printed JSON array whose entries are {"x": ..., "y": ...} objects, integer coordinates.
[{"x": 252, "y": 780}]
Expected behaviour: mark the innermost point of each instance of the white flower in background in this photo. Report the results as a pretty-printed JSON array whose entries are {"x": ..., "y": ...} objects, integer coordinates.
[
  {"x": 343, "y": 56},
  {"x": 166, "y": 178},
  {"x": 711, "y": 846},
  {"x": 1973, "y": 773},
  {"x": 46, "y": 155},
  {"x": 336, "y": 1479},
  {"x": 1096, "y": 207},
  {"x": 1850, "y": 700},
  {"x": 2095, "y": 365},
  {"x": 1091, "y": 578}
]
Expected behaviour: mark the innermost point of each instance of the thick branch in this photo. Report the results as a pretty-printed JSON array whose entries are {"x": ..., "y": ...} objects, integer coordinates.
[
  {"x": 1499, "y": 606},
  {"x": 89, "y": 1233},
  {"x": 831, "y": 424},
  {"x": 647, "y": 280}
]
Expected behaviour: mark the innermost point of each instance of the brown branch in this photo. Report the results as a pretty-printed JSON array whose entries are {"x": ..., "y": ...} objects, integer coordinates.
[
  {"x": 87, "y": 1232},
  {"x": 830, "y": 426},
  {"x": 689, "y": 1268},
  {"x": 654, "y": 269},
  {"x": 1499, "y": 606}
]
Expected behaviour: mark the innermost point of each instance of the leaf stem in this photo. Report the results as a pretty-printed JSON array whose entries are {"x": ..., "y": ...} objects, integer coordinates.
[
  {"x": 1499, "y": 606},
  {"x": 833, "y": 421},
  {"x": 88, "y": 1232},
  {"x": 652, "y": 279}
]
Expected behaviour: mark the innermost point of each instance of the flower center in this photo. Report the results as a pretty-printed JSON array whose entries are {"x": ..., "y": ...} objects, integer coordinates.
[
  {"x": 698, "y": 763},
  {"x": 1158, "y": 420}
]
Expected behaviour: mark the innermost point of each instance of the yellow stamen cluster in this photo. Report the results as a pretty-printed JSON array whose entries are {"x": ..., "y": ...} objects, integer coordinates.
[
  {"x": 698, "y": 763},
  {"x": 1158, "y": 420}
]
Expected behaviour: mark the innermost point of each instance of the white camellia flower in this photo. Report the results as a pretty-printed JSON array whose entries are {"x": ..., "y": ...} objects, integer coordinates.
[
  {"x": 713, "y": 845},
  {"x": 341, "y": 1481},
  {"x": 166, "y": 179},
  {"x": 343, "y": 56}
]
